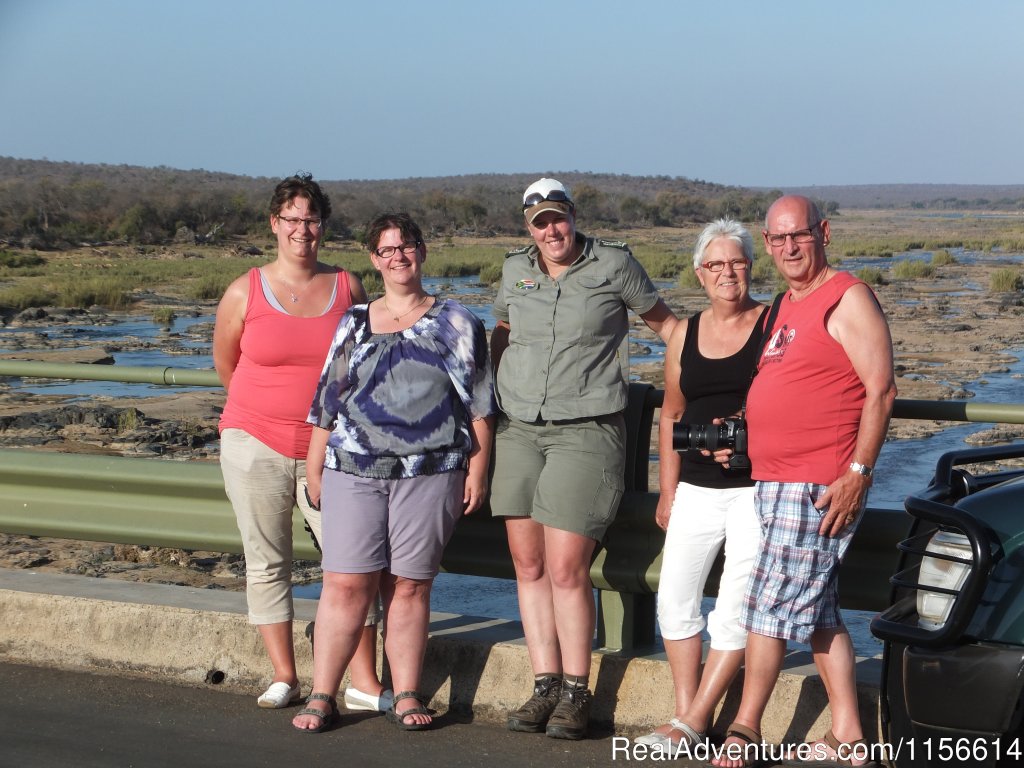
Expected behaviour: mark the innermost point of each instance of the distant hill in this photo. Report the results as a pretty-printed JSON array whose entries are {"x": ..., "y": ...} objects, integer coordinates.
[
  {"x": 942, "y": 196},
  {"x": 53, "y": 204}
]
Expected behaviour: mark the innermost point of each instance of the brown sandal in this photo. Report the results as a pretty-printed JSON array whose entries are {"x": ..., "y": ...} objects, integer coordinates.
[
  {"x": 835, "y": 745},
  {"x": 751, "y": 750}
]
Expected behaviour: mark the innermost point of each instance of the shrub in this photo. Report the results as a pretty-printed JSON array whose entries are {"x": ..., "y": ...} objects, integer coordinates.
[
  {"x": 942, "y": 258},
  {"x": 20, "y": 260},
  {"x": 912, "y": 268},
  {"x": 871, "y": 275},
  {"x": 1005, "y": 280},
  {"x": 688, "y": 278}
]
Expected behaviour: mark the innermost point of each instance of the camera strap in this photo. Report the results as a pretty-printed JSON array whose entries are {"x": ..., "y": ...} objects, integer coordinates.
[{"x": 766, "y": 334}]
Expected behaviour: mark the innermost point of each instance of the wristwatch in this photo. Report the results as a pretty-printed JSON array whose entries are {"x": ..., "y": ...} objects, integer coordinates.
[{"x": 862, "y": 469}]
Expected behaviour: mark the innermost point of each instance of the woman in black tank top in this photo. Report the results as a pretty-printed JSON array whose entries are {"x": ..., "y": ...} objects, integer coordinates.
[{"x": 708, "y": 367}]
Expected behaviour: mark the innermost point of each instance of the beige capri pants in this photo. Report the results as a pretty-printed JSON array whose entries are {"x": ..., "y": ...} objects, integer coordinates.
[{"x": 264, "y": 487}]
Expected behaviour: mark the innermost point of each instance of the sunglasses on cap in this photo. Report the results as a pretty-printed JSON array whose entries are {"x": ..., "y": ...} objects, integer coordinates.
[{"x": 554, "y": 196}]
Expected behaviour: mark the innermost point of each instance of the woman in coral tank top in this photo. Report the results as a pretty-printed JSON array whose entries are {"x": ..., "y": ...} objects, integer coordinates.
[{"x": 274, "y": 326}]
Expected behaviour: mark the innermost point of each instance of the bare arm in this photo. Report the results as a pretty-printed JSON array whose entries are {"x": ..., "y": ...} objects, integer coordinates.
[
  {"x": 315, "y": 456},
  {"x": 858, "y": 324},
  {"x": 660, "y": 319},
  {"x": 499, "y": 342},
  {"x": 227, "y": 330},
  {"x": 479, "y": 460},
  {"x": 672, "y": 409},
  {"x": 356, "y": 289}
]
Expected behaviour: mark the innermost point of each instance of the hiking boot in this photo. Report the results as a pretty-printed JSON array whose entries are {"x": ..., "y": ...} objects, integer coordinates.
[
  {"x": 569, "y": 720},
  {"x": 534, "y": 714}
]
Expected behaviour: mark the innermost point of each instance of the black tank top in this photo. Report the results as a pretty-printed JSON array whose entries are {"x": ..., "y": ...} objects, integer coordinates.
[{"x": 713, "y": 388}]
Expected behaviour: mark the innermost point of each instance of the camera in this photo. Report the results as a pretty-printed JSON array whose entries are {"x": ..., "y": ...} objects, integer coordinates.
[{"x": 731, "y": 433}]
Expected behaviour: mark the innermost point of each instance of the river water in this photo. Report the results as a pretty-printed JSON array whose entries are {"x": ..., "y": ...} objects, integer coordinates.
[{"x": 903, "y": 467}]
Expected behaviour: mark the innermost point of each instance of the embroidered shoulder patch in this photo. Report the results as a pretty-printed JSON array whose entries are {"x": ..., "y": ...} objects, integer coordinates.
[
  {"x": 518, "y": 251},
  {"x": 526, "y": 285},
  {"x": 613, "y": 244}
]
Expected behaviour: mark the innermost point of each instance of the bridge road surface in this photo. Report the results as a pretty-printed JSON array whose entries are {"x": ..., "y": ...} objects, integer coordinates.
[{"x": 57, "y": 719}]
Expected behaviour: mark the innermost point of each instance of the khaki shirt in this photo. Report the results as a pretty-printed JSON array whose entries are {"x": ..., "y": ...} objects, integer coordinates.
[{"x": 566, "y": 357}]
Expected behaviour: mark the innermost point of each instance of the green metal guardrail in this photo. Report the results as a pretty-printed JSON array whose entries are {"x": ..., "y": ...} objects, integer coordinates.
[{"x": 182, "y": 504}]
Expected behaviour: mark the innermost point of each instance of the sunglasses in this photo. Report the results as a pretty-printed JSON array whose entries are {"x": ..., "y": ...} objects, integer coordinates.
[{"x": 554, "y": 196}]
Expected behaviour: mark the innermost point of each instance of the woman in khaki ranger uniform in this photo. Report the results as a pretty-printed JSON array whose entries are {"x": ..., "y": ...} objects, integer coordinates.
[{"x": 561, "y": 314}]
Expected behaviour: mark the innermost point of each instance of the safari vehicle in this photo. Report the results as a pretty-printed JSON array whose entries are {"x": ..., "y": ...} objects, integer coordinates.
[{"x": 953, "y": 662}]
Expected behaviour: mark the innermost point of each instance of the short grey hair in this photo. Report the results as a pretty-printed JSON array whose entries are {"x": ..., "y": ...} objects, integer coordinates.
[{"x": 729, "y": 229}]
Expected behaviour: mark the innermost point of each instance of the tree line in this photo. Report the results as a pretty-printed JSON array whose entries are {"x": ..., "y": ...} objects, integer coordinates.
[{"x": 46, "y": 204}]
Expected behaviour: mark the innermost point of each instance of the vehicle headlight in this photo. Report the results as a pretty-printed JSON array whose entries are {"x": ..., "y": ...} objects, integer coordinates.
[{"x": 933, "y": 607}]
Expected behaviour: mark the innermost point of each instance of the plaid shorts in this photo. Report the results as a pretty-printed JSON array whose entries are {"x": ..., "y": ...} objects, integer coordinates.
[{"x": 794, "y": 587}]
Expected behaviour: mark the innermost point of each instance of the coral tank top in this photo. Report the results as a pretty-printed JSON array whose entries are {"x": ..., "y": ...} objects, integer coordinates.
[{"x": 281, "y": 359}]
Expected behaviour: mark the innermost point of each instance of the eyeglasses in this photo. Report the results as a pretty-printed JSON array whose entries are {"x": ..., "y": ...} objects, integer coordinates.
[
  {"x": 295, "y": 222},
  {"x": 554, "y": 196},
  {"x": 800, "y": 236},
  {"x": 387, "y": 251},
  {"x": 738, "y": 265}
]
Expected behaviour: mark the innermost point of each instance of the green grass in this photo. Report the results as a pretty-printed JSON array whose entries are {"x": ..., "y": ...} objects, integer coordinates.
[
  {"x": 490, "y": 274},
  {"x": 943, "y": 258},
  {"x": 1005, "y": 280},
  {"x": 871, "y": 275},
  {"x": 26, "y": 295},
  {"x": 163, "y": 316},
  {"x": 911, "y": 269}
]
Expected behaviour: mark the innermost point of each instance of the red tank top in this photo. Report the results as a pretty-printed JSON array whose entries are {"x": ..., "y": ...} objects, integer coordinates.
[
  {"x": 282, "y": 357},
  {"x": 804, "y": 406}
]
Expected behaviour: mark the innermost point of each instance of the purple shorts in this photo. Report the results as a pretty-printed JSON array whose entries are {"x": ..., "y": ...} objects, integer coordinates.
[
  {"x": 399, "y": 525},
  {"x": 794, "y": 586}
]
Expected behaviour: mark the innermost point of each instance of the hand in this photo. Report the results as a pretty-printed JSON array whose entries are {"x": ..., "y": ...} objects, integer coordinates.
[
  {"x": 313, "y": 490},
  {"x": 664, "y": 511},
  {"x": 844, "y": 500},
  {"x": 474, "y": 492}
]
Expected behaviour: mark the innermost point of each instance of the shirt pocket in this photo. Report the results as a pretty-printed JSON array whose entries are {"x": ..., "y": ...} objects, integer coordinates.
[{"x": 604, "y": 314}]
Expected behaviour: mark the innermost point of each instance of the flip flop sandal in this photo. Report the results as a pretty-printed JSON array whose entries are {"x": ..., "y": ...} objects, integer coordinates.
[
  {"x": 399, "y": 719},
  {"x": 326, "y": 718},
  {"x": 690, "y": 736}
]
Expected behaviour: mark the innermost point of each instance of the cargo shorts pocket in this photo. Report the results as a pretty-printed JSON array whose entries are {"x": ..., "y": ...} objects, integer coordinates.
[
  {"x": 607, "y": 497},
  {"x": 794, "y": 589}
]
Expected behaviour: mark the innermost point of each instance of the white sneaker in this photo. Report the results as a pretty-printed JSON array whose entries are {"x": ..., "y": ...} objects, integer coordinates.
[
  {"x": 357, "y": 700},
  {"x": 279, "y": 695}
]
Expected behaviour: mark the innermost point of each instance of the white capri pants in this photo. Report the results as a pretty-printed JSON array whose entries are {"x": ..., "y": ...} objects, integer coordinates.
[
  {"x": 702, "y": 518},
  {"x": 264, "y": 486}
]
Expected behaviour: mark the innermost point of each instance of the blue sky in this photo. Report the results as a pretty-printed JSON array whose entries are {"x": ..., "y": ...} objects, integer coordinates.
[{"x": 753, "y": 93}]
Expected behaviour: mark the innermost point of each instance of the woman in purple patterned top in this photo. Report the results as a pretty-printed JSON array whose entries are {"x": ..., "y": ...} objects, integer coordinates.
[{"x": 403, "y": 420}]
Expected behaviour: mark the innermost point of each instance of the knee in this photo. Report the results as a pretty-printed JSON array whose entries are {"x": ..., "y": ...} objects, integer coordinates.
[
  {"x": 411, "y": 589},
  {"x": 569, "y": 575},
  {"x": 338, "y": 589},
  {"x": 529, "y": 564}
]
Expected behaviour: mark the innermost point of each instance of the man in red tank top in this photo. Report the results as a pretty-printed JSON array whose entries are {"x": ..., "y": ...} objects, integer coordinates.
[{"x": 817, "y": 411}]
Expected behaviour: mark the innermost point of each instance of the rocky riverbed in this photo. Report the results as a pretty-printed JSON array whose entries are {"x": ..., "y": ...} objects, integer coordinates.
[{"x": 945, "y": 336}]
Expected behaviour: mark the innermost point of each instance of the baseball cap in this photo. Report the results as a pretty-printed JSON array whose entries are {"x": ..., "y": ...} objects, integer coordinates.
[{"x": 546, "y": 195}]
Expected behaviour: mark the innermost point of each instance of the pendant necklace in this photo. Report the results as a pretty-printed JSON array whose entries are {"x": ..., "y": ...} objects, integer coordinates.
[
  {"x": 291, "y": 291},
  {"x": 415, "y": 306}
]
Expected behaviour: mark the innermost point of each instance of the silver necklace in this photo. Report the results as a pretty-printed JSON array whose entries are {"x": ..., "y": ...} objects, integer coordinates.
[
  {"x": 415, "y": 306},
  {"x": 291, "y": 291}
]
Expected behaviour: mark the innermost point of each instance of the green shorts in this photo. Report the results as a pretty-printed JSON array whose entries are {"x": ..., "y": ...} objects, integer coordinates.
[{"x": 563, "y": 474}]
